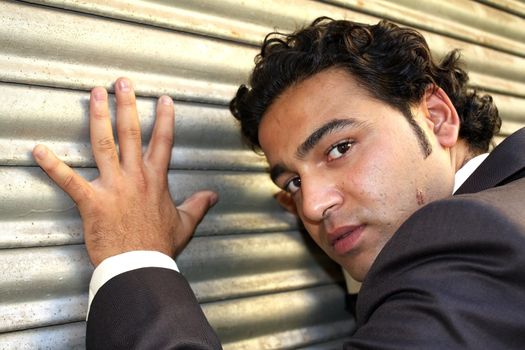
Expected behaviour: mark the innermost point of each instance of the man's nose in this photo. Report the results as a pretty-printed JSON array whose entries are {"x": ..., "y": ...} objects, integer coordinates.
[{"x": 319, "y": 198}]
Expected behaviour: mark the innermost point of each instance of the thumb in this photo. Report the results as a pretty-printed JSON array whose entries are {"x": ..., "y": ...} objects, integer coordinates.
[{"x": 193, "y": 209}]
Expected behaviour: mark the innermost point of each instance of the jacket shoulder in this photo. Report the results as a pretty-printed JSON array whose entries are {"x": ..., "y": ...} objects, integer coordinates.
[{"x": 449, "y": 278}]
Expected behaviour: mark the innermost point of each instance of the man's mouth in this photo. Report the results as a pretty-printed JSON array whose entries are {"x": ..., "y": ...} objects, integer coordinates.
[{"x": 345, "y": 238}]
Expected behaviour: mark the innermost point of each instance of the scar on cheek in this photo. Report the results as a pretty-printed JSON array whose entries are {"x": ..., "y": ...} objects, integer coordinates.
[{"x": 420, "y": 198}]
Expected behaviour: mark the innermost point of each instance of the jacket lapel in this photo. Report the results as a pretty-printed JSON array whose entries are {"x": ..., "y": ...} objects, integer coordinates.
[{"x": 504, "y": 164}]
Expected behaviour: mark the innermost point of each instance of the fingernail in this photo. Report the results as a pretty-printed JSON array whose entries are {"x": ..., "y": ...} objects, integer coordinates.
[
  {"x": 166, "y": 100},
  {"x": 40, "y": 152},
  {"x": 123, "y": 84},
  {"x": 214, "y": 198},
  {"x": 98, "y": 94}
]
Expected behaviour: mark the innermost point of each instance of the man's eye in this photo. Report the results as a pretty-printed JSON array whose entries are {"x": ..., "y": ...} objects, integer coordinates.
[
  {"x": 293, "y": 185},
  {"x": 338, "y": 150}
]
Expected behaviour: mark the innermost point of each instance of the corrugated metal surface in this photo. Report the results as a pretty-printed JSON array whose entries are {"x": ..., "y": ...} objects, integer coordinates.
[{"x": 259, "y": 283}]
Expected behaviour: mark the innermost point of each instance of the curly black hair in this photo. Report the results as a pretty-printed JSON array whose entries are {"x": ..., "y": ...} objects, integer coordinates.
[{"x": 392, "y": 63}]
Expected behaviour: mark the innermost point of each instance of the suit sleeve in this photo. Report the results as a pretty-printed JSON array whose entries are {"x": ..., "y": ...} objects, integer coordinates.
[
  {"x": 148, "y": 308},
  {"x": 452, "y": 277}
]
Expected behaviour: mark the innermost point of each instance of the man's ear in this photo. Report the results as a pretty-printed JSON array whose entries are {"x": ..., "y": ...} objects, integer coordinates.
[
  {"x": 286, "y": 201},
  {"x": 442, "y": 116}
]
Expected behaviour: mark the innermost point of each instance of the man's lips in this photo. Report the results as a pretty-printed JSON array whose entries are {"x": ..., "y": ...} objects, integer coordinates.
[{"x": 345, "y": 238}]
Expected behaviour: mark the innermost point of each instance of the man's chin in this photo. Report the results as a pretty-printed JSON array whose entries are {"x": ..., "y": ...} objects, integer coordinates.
[{"x": 355, "y": 268}]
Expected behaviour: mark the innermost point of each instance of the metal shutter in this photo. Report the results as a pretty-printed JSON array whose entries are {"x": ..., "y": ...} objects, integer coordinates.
[{"x": 260, "y": 282}]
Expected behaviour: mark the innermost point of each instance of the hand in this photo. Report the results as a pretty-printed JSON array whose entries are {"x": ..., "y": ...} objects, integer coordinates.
[{"x": 128, "y": 207}]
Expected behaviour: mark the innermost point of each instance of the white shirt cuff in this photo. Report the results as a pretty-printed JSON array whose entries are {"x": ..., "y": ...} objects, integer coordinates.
[{"x": 117, "y": 264}]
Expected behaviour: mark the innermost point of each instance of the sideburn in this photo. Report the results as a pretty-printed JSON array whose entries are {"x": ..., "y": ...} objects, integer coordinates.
[{"x": 424, "y": 143}]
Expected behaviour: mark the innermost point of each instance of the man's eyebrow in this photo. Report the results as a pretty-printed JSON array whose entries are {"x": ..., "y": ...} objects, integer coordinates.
[
  {"x": 276, "y": 171},
  {"x": 325, "y": 129}
]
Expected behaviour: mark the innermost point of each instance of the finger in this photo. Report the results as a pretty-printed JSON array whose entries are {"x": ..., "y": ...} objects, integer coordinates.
[
  {"x": 67, "y": 179},
  {"x": 128, "y": 127},
  {"x": 158, "y": 154},
  {"x": 101, "y": 132},
  {"x": 193, "y": 209}
]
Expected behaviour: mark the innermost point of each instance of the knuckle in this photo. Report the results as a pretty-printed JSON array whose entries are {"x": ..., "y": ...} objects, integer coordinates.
[
  {"x": 105, "y": 144},
  {"x": 140, "y": 182},
  {"x": 126, "y": 100},
  {"x": 165, "y": 139},
  {"x": 99, "y": 114},
  {"x": 133, "y": 133},
  {"x": 52, "y": 166},
  {"x": 69, "y": 182},
  {"x": 72, "y": 185}
]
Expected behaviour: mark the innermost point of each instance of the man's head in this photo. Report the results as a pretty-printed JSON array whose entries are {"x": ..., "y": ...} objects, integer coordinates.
[{"x": 360, "y": 127}]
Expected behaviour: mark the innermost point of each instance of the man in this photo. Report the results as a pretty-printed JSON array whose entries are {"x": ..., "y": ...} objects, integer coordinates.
[{"x": 368, "y": 137}]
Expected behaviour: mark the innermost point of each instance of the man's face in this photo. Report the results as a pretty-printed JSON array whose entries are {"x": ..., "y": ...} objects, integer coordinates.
[{"x": 352, "y": 164}]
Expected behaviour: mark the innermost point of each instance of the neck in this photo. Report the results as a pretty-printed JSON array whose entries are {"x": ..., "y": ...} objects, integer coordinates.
[{"x": 462, "y": 154}]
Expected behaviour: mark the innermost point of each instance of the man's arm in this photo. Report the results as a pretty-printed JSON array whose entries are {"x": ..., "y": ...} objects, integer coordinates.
[
  {"x": 149, "y": 308},
  {"x": 129, "y": 208}
]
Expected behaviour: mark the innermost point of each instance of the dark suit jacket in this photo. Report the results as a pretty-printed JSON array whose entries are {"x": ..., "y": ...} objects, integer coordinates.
[{"x": 452, "y": 277}]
